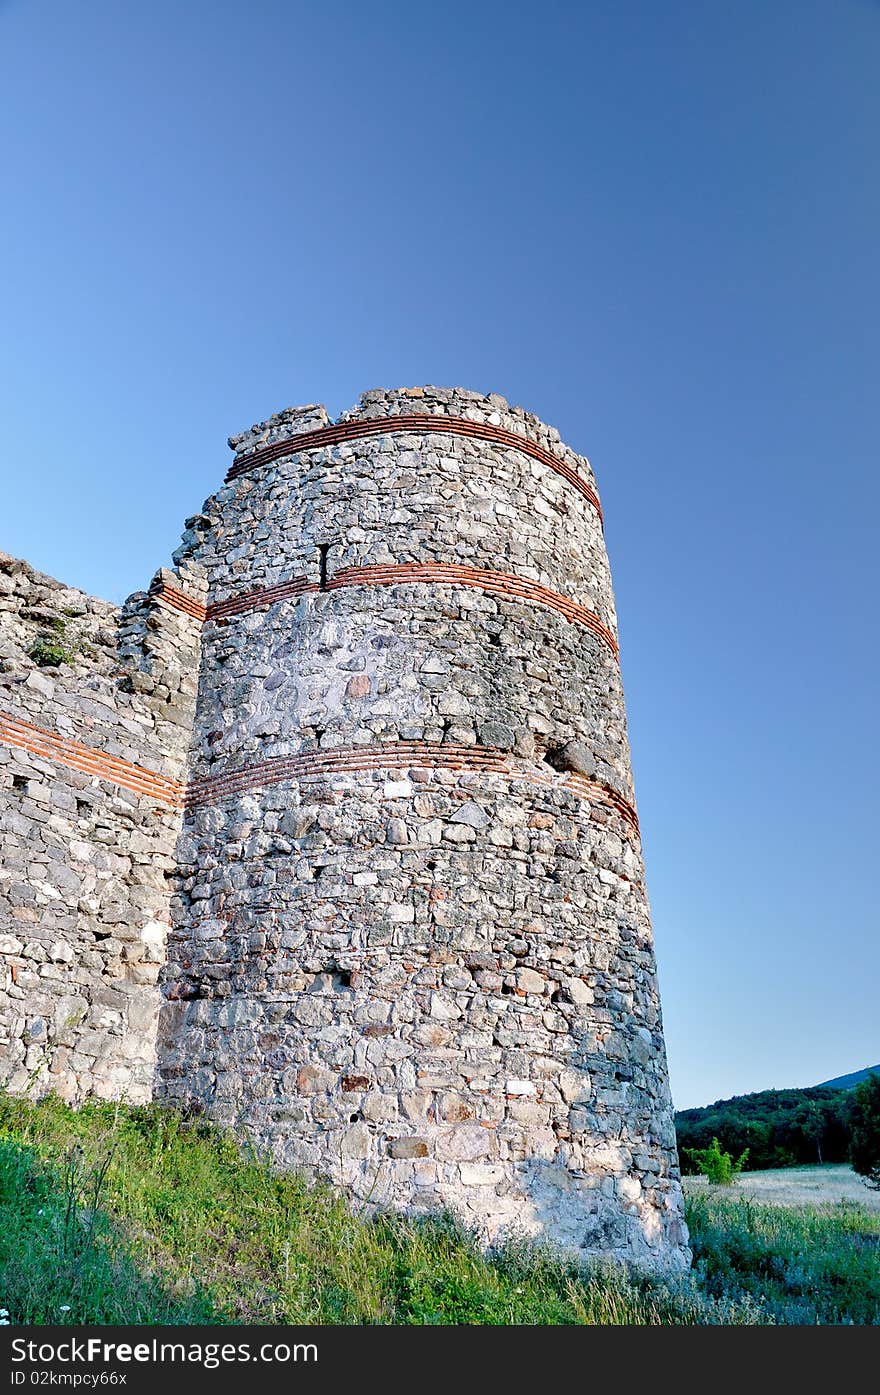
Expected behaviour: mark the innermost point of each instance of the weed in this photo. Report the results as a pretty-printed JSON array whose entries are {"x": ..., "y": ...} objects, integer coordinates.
[{"x": 117, "y": 1214}]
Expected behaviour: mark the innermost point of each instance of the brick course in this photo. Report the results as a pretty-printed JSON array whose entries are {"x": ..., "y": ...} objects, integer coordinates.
[{"x": 331, "y": 833}]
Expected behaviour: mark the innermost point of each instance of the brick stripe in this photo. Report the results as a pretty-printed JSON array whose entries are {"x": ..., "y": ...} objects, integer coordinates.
[
  {"x": 399, "y": 755},
  {"x": 179, "y": 600},
  {"x": 233, "y": 605},
  {"x": 60, "y": 750},
  {"x": 259, "y": 599},
  {"x": 504, "y": 584},
  {"x": 422, "y": 423}
]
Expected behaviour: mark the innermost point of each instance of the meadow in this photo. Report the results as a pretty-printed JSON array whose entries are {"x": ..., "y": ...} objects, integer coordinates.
[{"x": 114, "y": 1214}]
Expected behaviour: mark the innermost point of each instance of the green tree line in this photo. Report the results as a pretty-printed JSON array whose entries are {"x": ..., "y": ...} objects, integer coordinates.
[{"x": 779, "y": 1128}]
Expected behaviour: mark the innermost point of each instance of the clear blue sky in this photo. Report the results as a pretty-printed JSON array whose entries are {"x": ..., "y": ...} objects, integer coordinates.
[{"x": 655, "y": 225}]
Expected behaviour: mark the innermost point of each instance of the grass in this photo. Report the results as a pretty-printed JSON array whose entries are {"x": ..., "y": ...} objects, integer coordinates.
[
  {"x": 808, "y": 1184},
  {"x": 803, "y": 1264},
  {"x": 56, "y": 646},
  {"x": 111, "y": 1214}
]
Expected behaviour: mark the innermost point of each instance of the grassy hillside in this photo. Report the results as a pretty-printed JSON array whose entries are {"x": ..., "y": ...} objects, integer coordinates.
[{"x": 112, "y": 1214}]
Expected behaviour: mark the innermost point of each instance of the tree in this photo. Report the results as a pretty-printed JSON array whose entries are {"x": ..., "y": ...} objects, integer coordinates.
[
  {"x": 865, "y": 1146},
  {"x": 810, "y": 1119},
  {"x": 780, "y": 1128},
  {"x": 719, "y": 1167}
]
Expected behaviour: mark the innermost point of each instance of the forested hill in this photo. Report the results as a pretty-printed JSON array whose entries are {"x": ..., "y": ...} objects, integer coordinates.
[
  {"x": 846, "y": 1082},
  {"x": 780, "y": 1128}
]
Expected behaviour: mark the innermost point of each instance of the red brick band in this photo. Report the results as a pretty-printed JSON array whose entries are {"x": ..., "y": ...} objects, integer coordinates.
[
  {"x": 260, "y": 599},
  {"x": 179, "y": 600},
  {"x": 422, "y": 423},
  {"x": 398, "y": 755},
  {"x": 504, "y": 584},
  {"x": 60, "y": 750},
  {"x": 238, "y": 604}
]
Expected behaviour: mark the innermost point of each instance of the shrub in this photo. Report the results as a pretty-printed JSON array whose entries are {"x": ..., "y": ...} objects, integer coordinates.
[
  {"x": 60, "y": 643},
  {"x": 720, "y": 1168},
  {"x": 55, "y": 646}
]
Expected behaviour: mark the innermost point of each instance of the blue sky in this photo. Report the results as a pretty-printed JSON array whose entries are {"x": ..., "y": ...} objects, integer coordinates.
[{"x": 655, "y": 225}]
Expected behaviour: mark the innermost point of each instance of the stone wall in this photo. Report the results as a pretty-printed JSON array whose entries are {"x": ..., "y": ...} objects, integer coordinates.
[
  {"x": 95, "y": 721},
  {"x": 411, "y": 945},
  {"x": 353, "y": 783}
]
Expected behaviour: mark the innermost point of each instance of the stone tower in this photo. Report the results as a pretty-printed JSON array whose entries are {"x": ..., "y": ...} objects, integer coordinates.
[{"x": 410, "y": 945}]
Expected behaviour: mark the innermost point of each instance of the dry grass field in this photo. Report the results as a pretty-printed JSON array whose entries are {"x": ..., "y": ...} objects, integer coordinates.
[{"x": 794, "y": 1186}]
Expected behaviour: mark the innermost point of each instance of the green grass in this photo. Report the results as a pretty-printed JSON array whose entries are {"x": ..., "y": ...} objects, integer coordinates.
[
  {"x": 803, "y": 1264},
  {"x": 110, "y": 1214}
]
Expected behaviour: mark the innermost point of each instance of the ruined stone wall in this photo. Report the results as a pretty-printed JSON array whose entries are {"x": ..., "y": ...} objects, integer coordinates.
[
  {"x": 411, "y": 945},
  {"x": 362, "y": 759},
  {"x": 96, "y": 710}
]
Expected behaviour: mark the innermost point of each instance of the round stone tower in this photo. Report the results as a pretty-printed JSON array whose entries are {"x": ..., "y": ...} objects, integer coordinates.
[{"x": 412, "y": 949}]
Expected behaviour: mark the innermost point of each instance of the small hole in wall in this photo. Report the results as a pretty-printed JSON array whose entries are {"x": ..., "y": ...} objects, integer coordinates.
[
  {"x": 323, "y": 549},
  {"x": 316, "y": 871},
  {"x": 21, "y": 782},
  {"x": 353, "y": 1118},
  {"x": 552, "y": 758},
  {"x": 332, "y": 980}
]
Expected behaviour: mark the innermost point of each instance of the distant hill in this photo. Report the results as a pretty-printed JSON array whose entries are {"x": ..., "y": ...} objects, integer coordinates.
[
  {"x": 780, "y": 1128},
  {"x": 846, "y": 1082}
]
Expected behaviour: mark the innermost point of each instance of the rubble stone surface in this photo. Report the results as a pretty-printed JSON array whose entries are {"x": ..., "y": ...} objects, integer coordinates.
[{"x": 351, "y": 862}]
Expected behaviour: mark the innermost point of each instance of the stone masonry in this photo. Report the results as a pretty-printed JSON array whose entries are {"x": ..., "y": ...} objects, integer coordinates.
[{"x": 353, "y": 783}]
